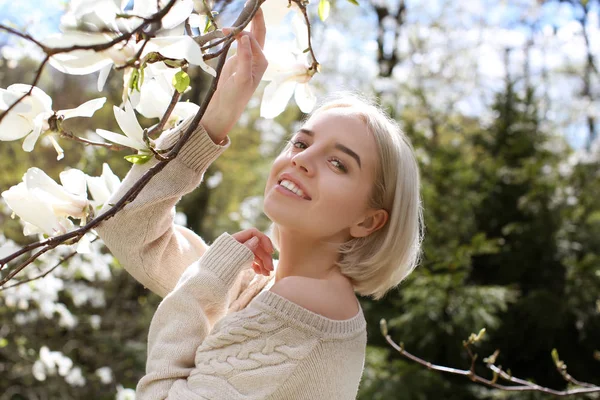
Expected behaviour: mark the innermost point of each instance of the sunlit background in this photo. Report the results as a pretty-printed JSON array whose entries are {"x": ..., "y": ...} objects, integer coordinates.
[{"x": 501, "y": 100}]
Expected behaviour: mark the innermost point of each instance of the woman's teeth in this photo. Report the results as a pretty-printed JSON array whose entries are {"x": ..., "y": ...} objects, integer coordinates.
[{"x": 292, "y": 187}]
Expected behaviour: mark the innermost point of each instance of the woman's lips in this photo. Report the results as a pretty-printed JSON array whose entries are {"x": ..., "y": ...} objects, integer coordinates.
[
  {"x": 296, "y": 182},
  {"x": 287, "y": 192}
]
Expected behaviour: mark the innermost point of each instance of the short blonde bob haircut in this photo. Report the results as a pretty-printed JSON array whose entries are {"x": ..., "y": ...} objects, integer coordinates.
[{"x": 380, "y": 261}]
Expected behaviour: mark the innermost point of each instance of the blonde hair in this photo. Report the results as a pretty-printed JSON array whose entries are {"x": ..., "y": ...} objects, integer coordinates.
[{"x": 380, "y": 261}]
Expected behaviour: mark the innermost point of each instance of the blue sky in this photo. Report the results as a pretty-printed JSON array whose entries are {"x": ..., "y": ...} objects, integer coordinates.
[{"x": 40, "y": 17}]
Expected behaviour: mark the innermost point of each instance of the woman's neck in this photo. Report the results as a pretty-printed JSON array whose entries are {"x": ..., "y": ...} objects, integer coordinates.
[{"x": 302, "y": 256}]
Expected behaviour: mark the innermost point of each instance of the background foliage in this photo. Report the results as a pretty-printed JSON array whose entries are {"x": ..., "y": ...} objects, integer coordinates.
[{"x": 513, "y": 222}]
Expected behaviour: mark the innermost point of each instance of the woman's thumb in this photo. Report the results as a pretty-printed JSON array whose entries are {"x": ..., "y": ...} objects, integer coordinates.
[{"x": 252, "y": 243}]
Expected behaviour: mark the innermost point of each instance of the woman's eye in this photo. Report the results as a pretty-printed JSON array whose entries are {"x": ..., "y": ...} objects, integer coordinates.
[
  {"x": 339, "y": 165},
  {"x": 298, "y": 144}
]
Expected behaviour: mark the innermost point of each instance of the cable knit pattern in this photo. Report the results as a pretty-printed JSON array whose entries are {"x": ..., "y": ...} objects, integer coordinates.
[{"x": 273, "y": 349}]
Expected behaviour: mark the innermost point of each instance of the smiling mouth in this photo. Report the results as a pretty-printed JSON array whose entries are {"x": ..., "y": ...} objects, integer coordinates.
[{"x": 291, "y": 187}]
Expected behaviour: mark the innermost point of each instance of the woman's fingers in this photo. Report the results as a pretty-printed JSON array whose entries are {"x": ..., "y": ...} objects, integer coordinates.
[
  {"x": 261, "y": 246},
  {"x": 258, "y": 28},
  {"x": 266, "y": 243},
  {"x": 265, "y": 257},
  {"x": 247, "y": 234},
  {"x": 262, "y": 259},
  {"x": 252, "y": 62},
  {"x": 244, "y": 53},
  {"x": 257, "y": 268}
]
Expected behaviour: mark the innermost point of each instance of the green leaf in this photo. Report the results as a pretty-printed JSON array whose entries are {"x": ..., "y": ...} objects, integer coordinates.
[
  {"x": 138, "y": 158},
  {"x": 324, "y": 7},
  {"x": 133, "y": 79},
  {"x": 207, "y": 25},
  {"x": 140, "y": 80},
  {"x": 3, "y": 343},
  {"x": 355, "y": 2},
  {"x": 171, "y": 63},
  {"x": 181, "y": 81}
]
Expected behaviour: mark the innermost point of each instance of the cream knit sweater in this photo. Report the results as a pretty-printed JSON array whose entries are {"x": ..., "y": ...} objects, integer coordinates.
[{"x": 272, "y": 349}]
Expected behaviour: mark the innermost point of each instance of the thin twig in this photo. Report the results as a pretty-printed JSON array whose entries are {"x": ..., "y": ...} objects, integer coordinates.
[
  {"x": 69, "y": 135},
  {"x": 135, "y": 61},
  {"x": 222, "y": 50},
  {"x": 207, "y": 37},
  {"x": 25, "y": 263},
  {"x": 210, "y": 15},
  {"x": 43, "y": 275},
  {"x": 23, "y": 35},
  {"x": 35, "y": 81},
  {"x": 302, "y": 5},
  {"x": 241, "y": 22},
  {"x": 159, "y": 127},
  {"x": 524, "y": 386}
]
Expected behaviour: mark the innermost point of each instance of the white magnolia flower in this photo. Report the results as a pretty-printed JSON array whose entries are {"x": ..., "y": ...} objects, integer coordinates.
[
  {"x": 127, "y": 121},
  {"x": 39, "y": 371},
  {"x": 103, "y": 186},
  {"x": 289, "y": 73},
  {"x": 66, "y": 318},
  {"x": 171, "y": 42},
  {"x": 105, "y": 374},
  {"x": 53, "y": 360},
  {"x": 125, "y": 393},
  {"x": 180, "y": 47},
  {"x": 275, "y": 11},
  {"x": 75, "y": 378},
  {"x": 44, "y": 206},
  {"x": 182, "y": 112},
  {"x": 95, "y": 321},
  {"x": 154, "y": 97},
  {"x": 176, "y": 15},
  {"x": 93, "y": 13},
  {"x": 30, "y": 119}
]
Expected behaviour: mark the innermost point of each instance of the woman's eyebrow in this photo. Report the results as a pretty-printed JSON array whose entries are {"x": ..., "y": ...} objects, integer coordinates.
[{"x": 338, "y": 146}]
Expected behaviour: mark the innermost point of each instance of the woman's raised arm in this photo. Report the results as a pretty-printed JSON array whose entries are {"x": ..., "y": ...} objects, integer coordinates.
[{"x": 142, "y": 236}]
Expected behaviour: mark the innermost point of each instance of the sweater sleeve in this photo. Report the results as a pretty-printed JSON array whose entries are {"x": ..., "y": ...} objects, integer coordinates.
[
  {"x": 142, "y": 236},
  {"x": 187, "y": 314}
]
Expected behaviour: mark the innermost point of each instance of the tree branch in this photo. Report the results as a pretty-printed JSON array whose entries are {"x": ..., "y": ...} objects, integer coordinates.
[
  {"x": 58, "y": 264},
  {"x": 50, "y": 51},
  {"x": 302, "y": 5},
  {"x": 522, "y": 385},
  {"x": 35, "y": 81},
  {"x": 45, "y": 245},
  {"x": 69, "y": 135}
]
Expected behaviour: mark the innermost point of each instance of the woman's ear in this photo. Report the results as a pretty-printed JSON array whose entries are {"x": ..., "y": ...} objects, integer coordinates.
[{"x": 373, "y": 221}]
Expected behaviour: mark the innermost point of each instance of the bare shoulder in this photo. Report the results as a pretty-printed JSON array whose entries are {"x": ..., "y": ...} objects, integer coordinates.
[{"x": 319, "y": 296}]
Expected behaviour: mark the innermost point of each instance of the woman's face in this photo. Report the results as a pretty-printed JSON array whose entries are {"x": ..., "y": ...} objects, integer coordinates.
[{"x": 331, "y": 164}]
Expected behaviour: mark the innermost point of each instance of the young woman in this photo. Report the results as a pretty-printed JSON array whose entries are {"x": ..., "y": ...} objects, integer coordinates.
[{"x": 344, "y": 200}]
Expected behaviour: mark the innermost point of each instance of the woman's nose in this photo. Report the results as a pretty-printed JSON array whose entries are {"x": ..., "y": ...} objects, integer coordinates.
[{"x": 302, "y": 163}]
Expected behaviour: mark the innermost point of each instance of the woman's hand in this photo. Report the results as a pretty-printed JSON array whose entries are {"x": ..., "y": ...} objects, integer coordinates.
[
  {"x": 239, "y": 78},
  {"x": 261, "y": 246}
]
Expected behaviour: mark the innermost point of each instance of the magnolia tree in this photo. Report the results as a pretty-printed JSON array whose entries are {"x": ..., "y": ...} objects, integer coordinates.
[{"x": 150, "y": 44}]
